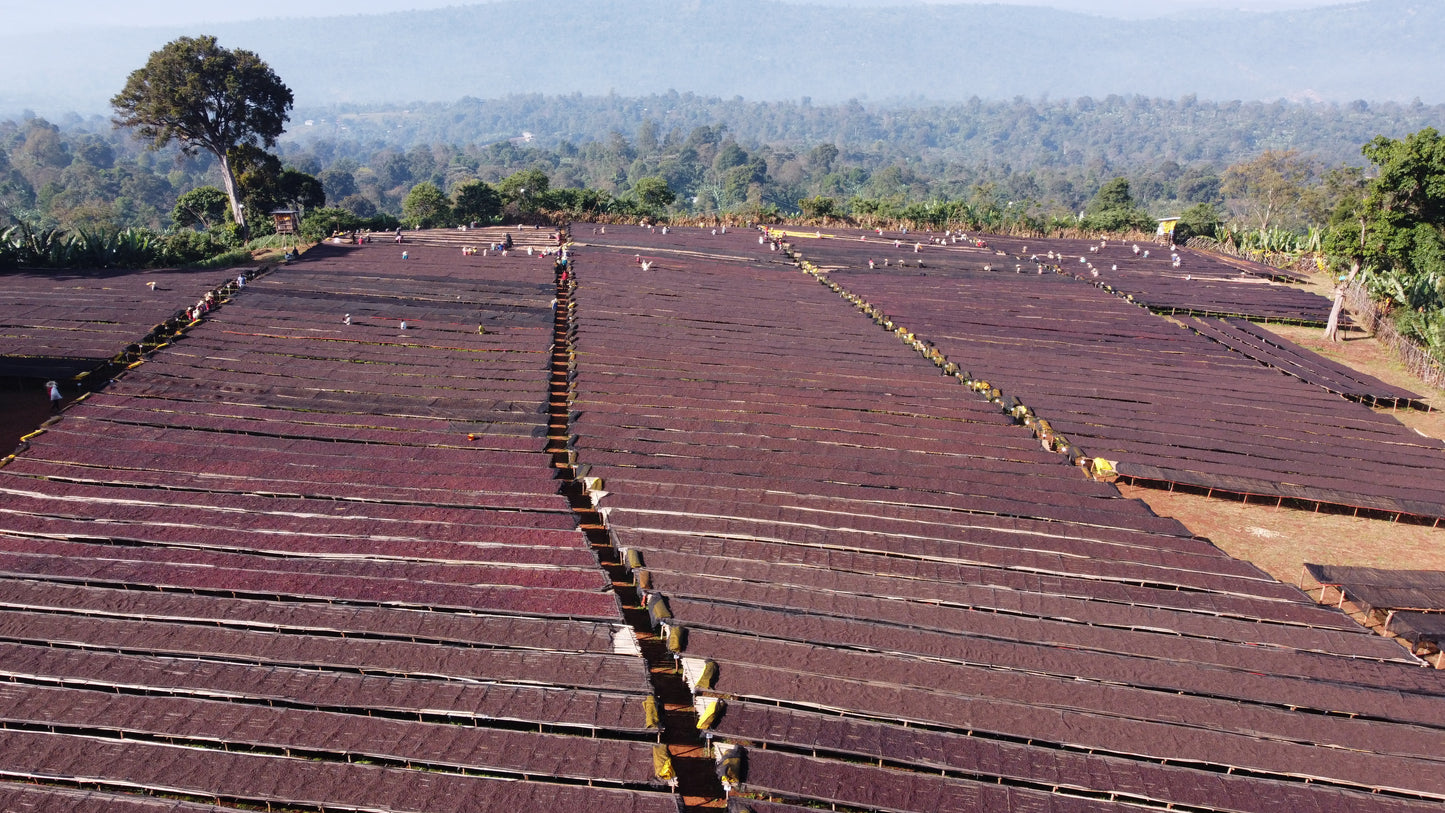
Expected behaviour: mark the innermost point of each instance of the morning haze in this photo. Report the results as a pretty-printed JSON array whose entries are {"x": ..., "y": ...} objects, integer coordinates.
[{"x": 881, "y": 51}]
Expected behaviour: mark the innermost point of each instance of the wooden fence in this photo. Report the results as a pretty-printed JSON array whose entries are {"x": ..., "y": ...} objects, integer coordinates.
[{"x": 1415, "y": 358}]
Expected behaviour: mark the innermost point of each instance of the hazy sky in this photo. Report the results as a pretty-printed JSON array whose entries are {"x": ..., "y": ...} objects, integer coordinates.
[{"x": 30, "y": 16}]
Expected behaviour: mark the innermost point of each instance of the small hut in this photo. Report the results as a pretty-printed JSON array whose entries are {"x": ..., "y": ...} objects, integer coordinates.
[
  {"x": 1165, "y": 231},
  {"x": 288, "y": 226}
]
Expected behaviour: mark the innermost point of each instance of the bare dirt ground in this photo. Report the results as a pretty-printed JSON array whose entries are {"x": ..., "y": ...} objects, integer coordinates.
[{"x": 1281, "y": 540}]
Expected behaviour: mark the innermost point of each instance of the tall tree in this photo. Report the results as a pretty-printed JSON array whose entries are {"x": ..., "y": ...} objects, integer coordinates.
[
  {"x": 1113, "y": 209},
  {"x": 255, "y": 171},
  {"x": 477, "y": 201},
  {"x": 297, "y": 190},
  {"x": 1271, "y": 186},
  {"x": 205, "y": 97},
  {"x": 202, "y": 207},
  {"x": 1407, "y": 198},
  {"x": 821, "y": 158},
  {"x": 523, "y": 188},
  {"x": 818, "y": 206},
  {"x": 1393, "y": 228},
  {"x": 653, "y": 193},
  {"x": 425, "y": 206},
  {"x": 1344, "y": 241}
]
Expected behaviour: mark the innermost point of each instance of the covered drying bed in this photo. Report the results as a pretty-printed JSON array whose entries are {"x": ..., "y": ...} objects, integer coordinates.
[
  {"x": 1383, "y": 590},
  {"x": 61, "y": 323},
  {"x": 1201, "y": 285},
  {"x": 1409, "y": 604},
  {"x": 295, "y": 562},
  {"x": 900, "y": 602},
  {"x": 1266, "y": 348},
  {"x": 1423, "y": 631},
  {"x": 1165, "y": 404}
]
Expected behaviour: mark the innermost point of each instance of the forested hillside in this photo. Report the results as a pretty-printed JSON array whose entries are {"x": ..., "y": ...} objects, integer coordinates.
[
  {"x": 767, "y": 50},
  {"x": 1046, "y": 157},
  {"x": 1113, "y": 132}
]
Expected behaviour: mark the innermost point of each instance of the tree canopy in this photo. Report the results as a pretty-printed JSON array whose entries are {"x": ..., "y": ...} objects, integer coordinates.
[
  {"x": 1199, "y": 220},
  {"x": 653, "y": 192},
  {"x": 202, "y": 208},
  {"x": 524, "y": 188},
  {"x": 818, "y": 206},
  {"x": 1113, "y": 209},
  {"x": 1403, "y": 224},
  {"x": 1408, "y": 193},
  {"x": 1270, "y": 186},
  {"x": 425, "y": 206},
  {"x": 205, "y": 97},
  {"x": 476, "y": 201}
]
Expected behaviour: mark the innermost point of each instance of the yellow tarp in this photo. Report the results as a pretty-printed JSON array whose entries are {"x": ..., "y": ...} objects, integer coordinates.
[
  {"x": 708, "y": 710},
  {"x": 662, "y": 763}
]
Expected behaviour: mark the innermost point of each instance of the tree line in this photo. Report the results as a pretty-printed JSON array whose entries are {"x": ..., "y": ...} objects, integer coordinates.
[
  {"x": 213, "y": 121},
  {"x": 1046, "y": 157}
]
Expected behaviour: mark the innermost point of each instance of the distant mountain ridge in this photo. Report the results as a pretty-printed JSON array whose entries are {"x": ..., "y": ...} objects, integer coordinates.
[{"x": 762, "y": 49}]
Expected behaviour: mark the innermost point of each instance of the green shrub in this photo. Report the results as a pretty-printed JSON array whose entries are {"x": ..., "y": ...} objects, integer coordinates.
[
  {"x": 193, "y": 248},
  {"x": 1200, "y": 220},
  {"x": 231, "y": 258},
  {"x": 319, "y": 224}
]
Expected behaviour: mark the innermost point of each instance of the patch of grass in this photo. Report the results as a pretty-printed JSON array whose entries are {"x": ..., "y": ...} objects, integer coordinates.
[{"x": 231, "y": 258}]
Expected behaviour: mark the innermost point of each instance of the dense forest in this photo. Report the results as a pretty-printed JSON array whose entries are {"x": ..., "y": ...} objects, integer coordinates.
[
  {"x": 1041, "y": 158},
  {"x": 1120, "y": 131}
]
